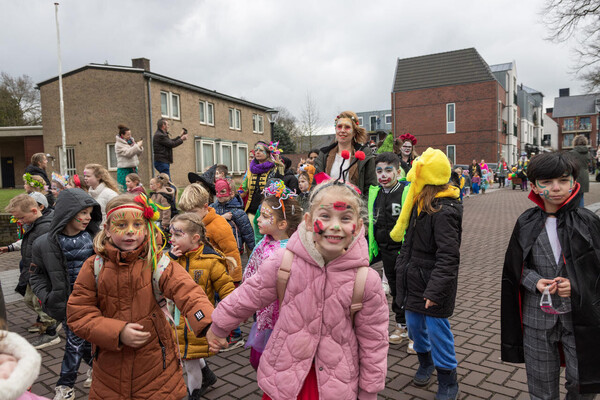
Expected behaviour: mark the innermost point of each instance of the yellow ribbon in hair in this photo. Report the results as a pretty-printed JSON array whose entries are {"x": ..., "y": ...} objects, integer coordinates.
[{"x": 431, "y": 168}]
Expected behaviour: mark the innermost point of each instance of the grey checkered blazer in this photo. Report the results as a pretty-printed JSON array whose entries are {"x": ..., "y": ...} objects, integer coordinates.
[{"x": 541, "y": 264}]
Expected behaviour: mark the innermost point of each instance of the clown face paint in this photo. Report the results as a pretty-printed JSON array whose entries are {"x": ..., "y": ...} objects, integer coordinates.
[
  {"x": 387, "y": 175},
  {"x": 334, "y": 225},
  {"x": 127, "y": 228},
  {"x": 406, "y": 148},
  {"x": 267, "y": 222},
  {"x": 554, "y": 192}
]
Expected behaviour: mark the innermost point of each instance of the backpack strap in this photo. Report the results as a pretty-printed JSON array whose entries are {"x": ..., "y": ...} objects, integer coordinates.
[
  {"x": 98, "y": 264},
  {"x": 162, "y": 264},
  {"x": 358, "y": 292},
  {"x": 283, "y": 274}
]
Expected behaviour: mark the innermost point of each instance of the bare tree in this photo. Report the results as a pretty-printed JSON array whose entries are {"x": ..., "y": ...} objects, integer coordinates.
[
  {"x": 310, "y": 120},
  {"x": 288, "y": 122},
  {"x": 23, "y": 90},
  {"x": 578, "y": 19}
]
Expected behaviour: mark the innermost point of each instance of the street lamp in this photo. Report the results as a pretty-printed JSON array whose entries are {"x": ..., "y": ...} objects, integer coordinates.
[{"x": 272, "y": 116}]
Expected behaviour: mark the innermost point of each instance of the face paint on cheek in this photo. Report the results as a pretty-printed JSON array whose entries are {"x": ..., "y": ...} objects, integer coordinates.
[
  {"x": 318, "y": 227},
  {"x": 545, "y": 193},
  {"x": 353, "y": 229}
]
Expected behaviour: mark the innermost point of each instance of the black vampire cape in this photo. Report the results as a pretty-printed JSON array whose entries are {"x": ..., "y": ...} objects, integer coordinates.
[{"x": 579, "y": 235}]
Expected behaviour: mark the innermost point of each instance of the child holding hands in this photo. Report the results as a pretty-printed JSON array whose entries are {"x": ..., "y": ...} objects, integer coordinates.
[
  {"x": 116, "y": 308},
  {"x": 316, "y": 348}
]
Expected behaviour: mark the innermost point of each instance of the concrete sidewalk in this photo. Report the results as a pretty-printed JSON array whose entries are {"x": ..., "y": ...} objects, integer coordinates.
[{"x": 487, "y": 226}]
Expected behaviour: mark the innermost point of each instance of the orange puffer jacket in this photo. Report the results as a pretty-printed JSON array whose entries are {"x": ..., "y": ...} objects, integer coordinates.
[
  {"x": 220, "y": 236},
  {"x": 124, "y": 294},
  {"x": 208, "y": 269}
]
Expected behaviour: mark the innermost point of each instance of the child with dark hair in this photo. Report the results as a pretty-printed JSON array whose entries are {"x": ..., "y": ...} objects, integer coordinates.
[
  {"x": 221, "y": 172},
  {"x": 549, "y": 284},
  {"x": 289, "y": 176},
  {"x": 384, "y": 206}
]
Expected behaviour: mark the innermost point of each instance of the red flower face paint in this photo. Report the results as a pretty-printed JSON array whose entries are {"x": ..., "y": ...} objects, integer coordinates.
[
  {"x": 318, "y": 227},
  {"x": 340, "y": 206}
]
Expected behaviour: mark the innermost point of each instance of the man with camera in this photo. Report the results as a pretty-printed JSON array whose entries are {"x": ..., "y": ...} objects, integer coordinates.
[{"x": 163, "y": 146}]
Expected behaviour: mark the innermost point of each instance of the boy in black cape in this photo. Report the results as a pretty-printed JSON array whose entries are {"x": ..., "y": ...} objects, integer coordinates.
[{"x": 554, "y": 246}]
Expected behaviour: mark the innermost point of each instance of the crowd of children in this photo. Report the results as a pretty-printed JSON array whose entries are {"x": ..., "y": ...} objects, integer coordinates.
[{"x": 147, "y": 287}]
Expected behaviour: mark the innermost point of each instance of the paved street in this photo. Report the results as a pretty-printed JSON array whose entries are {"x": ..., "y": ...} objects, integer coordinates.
[{"x": 487, "y": 225}]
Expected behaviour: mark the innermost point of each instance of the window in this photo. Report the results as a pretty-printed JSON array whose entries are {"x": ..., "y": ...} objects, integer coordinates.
[
  {"x": 585, "y": 124},
  {"x": 360, "y": 121},
  {"x": 388, "y": 118},
  {"x": 240, "y": 157},
  {"x": 111, "y": 157},
  {"x": 169, "y": 105},
  {"x": 451, "y": 153},
  {"x": 258, "y": 123},
  {"x": 373, "y": 123},
  {"x": 205, "y": 154},
  {"x": 71, "y": 170},
  {"x": 207, "y": 113},
  {"x": 450, "y": 118},
  {"x": 500, "y": 116},
  {"x": 235, "y": 119},
  {"x": 226, "y": 155}
]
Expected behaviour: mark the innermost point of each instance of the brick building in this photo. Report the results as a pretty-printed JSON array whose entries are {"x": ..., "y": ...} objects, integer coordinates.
[
  {"x": 17, "y": 145},
  {"x": 576, "y": 115},
  {"x": 99, "y": 97},
  {"x": 454, "y": 102}
]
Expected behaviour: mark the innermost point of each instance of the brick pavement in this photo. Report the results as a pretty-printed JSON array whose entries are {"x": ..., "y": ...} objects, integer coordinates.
[{"x": 487, "y": 224}]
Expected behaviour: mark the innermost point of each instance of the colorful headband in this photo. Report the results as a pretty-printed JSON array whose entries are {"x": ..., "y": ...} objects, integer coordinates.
[
  {"x": 408, "y": 137},
  {"x": 279, "y": 190},
  {"x": 60, "y": 179},
  {"x": 350, "y": 117},
  {"x": 32, "y": 182}
]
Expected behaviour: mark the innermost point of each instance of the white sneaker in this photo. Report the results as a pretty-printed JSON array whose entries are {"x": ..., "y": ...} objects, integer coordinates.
[
  {"x": 410, "y": 348},
  {"x": 64, "y": 393},
  {"x": 398, "y": 335},
  {"x": 386, "y": 288},
  {"x": 88, "y": 381}
]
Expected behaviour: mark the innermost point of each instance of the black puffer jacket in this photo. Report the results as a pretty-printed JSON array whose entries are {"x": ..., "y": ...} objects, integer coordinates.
[
  {"x": 49, "y": 278},
  {"x": 39, "y": 227},
  {"x": 428, "y": 263},
  {"x": 163, "y": 146},
  {"x": 34, "y": 170}
]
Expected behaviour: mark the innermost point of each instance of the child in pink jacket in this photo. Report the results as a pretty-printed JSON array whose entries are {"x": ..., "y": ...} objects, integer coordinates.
[{"x": 314, "y": 350}]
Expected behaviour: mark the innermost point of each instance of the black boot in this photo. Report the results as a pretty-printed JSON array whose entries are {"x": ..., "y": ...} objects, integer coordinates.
[
  {"x": 447, "y": 384},
  {"x": 208, "y": 379},
  {"x": 426, "y": 367}
]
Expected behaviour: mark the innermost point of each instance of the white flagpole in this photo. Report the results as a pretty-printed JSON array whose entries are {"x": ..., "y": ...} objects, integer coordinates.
[{"x": 63, "y": 149}]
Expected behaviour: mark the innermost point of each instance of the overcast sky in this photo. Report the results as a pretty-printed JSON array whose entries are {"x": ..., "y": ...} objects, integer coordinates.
[{"x": 274, "y": 52}]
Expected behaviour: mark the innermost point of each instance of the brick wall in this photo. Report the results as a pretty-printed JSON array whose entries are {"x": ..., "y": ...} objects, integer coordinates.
[
  {"x": 423, "y": 113},
  {"x": 8, "y": 231}
]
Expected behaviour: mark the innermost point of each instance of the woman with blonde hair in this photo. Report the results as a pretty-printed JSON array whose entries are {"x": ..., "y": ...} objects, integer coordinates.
[
  {"x": 102, "y": 186},
  {"x": 350, "y": 138}
]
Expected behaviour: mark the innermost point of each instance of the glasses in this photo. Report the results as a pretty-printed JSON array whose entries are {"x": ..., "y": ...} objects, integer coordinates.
[{"x": 547, "y": 306}]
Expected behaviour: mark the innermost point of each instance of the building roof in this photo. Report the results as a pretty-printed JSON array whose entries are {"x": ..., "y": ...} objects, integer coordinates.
[
  {"x": 501, "y": 67},
  {"x": 161, "y": 78},
  {"x": 441, "y": 69},
  {"x": 530, "y": 90},
  {"x": 571, "y": 106}
]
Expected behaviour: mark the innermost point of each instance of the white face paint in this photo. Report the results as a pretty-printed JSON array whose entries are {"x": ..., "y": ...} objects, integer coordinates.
[{"x": 406, "y": 148}]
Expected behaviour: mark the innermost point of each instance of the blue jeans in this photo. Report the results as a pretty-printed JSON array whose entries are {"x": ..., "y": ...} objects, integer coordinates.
[
  {"x": 76, "y": 349},
  {"x": 432, "y": 334},
  {"x": 163, "y": 167}
]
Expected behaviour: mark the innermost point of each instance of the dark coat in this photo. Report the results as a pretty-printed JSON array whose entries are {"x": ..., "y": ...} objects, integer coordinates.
[
  {"x": 366, "y": 167},
  {"x": 579, "y": 235},
  {"x": 236, "y": 207},
  {"x": 34, "y": 170},
  {"x": 582, "y": 156},
  {"x": 428, "y": 263},
  {"x": 163, "y": 146},
  {"x": 473, "y": 169},
  {"x": 290, "y": 181},
  {"x": 39, "y": 227},
  {"x": 49, "y": 276}
]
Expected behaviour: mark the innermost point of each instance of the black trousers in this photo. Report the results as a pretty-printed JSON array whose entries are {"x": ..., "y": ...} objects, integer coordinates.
[{"x": 388, "y": 257}]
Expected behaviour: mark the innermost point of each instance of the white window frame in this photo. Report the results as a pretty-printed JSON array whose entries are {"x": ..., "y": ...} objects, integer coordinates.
[
  {"x": 70, "y": 152},
  {"x": 453, "y": 160},
  {"x": 170, "y": 97},
  {"x": 258, "y": 123},
  {"x": 240, "y": 150},
  {"x": 206, "y": 110},
  {"x": 226, "y": 146},
  {"x": 386, "y": 119},
  {"x": 373, "y": 127},
  {"x": 360, "y": 121},
  {"x": 235, "y": 119},
  {"x": 111, "y": 167},
  {"x": 451, "y": 125},
  {"x": 200, "y": 154}
]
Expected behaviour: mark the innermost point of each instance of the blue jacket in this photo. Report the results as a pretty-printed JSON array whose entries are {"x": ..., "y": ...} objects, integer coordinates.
[{"x": 240, "y": 224}]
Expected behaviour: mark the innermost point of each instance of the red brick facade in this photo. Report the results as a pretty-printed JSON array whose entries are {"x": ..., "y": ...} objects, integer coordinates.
[{"x": 478, "y": 132}]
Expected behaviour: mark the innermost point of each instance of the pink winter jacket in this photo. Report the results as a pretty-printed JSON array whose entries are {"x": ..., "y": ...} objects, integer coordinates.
[{"x": 314, "y": 323}]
